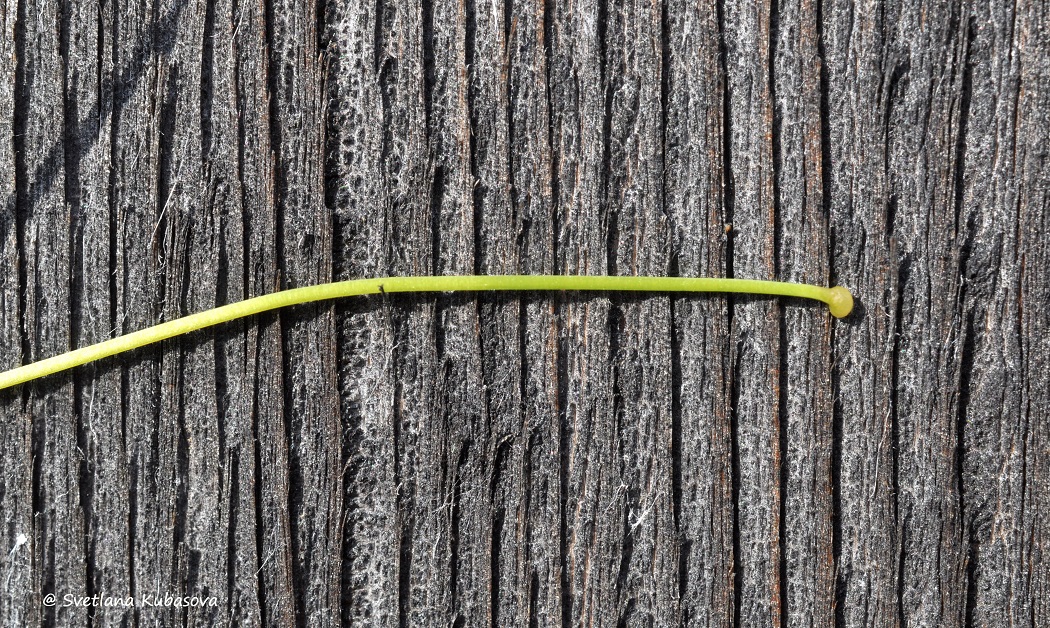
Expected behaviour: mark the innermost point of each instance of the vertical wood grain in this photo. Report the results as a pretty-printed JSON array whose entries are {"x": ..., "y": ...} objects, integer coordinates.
[{"x": 540, "y": 458}]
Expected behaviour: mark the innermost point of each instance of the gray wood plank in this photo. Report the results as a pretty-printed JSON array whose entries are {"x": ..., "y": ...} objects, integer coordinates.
[
  {"x": 423, "y": 534},
  {"x": 527, "y": 494},
  {"x": 304, "y": 255},
  {"x": 638, "y": 242},
  {"x": 192, "y": 252},
  {"x": 45, "y": 237},
  {"x": 264, "y": 360},
  {"x": 1002, "y": 208},
  {"x": 695, "y": 132},
  {"x": 221, "y": 149},
  {"x": 593, "y": 508},
  {"x": 803, "y": 254},
  {"x": 989, "y": 268},
  {"x": 98, "y": 393},
  {"x": 755, "y": 324},
  {"x": 924, "y": 72},
  {"x": 140, "y": 236},
  {"x": 371, "y": 553},
  {"x": 1032, "y": 584},
  {"x": 21, "y": 599},
  {"x": 459, "y": 396},
  {"x": 863, "y": 255},
  {"x": 528, "y": 458}
]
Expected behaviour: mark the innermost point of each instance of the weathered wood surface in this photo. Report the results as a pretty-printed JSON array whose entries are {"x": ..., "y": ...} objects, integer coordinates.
[{"x": 537, "y": 459}]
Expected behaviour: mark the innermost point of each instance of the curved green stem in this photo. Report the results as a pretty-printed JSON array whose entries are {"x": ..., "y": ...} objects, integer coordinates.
[{"x": 838, "y": 299}]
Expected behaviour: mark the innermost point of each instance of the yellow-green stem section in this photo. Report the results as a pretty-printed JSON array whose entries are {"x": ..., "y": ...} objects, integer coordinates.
[{"x": 838, "y": 299}]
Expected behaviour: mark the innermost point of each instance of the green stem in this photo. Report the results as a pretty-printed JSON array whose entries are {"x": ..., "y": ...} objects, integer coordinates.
[{"x": 838, "y": 299}]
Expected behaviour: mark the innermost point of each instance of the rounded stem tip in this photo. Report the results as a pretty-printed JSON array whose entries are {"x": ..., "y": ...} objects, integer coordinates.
[{"x": 841, "y": 302}]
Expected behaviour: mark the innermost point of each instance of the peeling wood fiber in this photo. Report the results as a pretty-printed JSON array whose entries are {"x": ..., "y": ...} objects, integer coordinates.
[{"x": 528, "y": 459}]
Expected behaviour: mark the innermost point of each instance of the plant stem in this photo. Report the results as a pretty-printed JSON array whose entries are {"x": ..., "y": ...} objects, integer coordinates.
[{"x": 838, "y": 299}]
